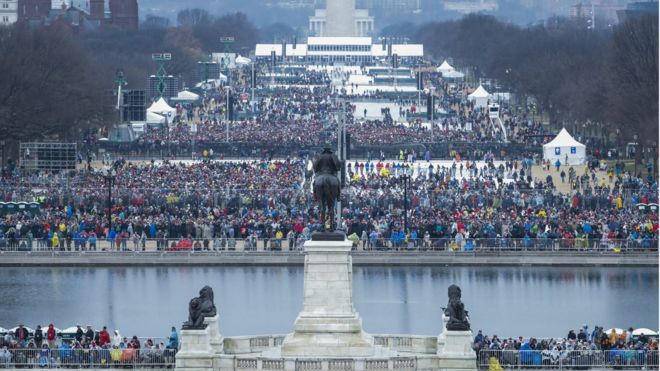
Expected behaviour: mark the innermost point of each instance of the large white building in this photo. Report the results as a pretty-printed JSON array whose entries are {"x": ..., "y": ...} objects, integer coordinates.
[
  {"x": 339, "y": 49},
  {"x": 8, "y": 12},
  {"x": 341, "y": 19}
]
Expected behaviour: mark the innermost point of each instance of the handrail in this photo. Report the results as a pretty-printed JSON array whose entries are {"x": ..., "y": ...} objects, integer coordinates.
[
  {"x": 573, "y": 359},
  {"x": 87, "y": 358},
  {"x": 396, "y": 243}
]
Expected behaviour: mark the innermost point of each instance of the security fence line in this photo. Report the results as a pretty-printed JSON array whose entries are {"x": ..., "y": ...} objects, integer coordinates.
[
  {"x": 87, "y": 358},
  {"x": 395, "y": 243},
  {"x": 574, "y": 359}
]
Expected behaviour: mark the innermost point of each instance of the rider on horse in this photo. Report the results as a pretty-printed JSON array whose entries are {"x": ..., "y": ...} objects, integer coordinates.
[{"x": 326, "y": 184}]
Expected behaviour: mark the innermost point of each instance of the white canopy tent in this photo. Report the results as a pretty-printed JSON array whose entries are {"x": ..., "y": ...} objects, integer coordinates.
[
  {"x": 162, "y": 108},
  {"x": 645, "y": 331},
  {"x": 243, "y": 61},
  {"x": 186, "y": 96},
  {"x": 480, "y": 97},
  {"x": 565, "y": 149},
  {"x": 155, "y": 118},
  {"x": 453, "y": 75},
  {"x": 444, "y": 68}
]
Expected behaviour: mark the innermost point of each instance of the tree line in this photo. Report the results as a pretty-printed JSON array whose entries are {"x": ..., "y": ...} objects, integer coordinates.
[
  {"x": 605, "y": 76},
  {"x": 57, "y": 83}
]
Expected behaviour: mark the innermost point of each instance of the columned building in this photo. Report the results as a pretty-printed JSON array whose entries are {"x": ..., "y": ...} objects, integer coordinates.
[{"x": 352, "y": 50}]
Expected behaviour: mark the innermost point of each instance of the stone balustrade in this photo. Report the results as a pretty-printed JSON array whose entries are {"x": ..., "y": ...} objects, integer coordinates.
[
  {"x": 399, "y": 343},
  {"x": 251, "y": 344}
]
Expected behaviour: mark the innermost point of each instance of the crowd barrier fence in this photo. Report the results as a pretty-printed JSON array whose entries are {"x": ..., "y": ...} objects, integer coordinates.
[
  {"x": 87, "y": 358},
  {"x": 574, "y": 359},
  {"x": 219, "y": 244}
]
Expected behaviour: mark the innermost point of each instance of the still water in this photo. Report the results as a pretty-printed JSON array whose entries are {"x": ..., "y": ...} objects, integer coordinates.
[{"x": 528, "y": 301}]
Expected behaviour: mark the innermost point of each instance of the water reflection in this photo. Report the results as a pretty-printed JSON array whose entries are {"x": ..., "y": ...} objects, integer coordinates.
[{"x": 541, "y": 301}]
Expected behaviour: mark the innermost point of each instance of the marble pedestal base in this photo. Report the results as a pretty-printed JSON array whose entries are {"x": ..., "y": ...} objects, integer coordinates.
[
  {"x": 215, "y": 339},
  {"x": 196, "y": 353},
  {"x": 328, "y": 325},
  {"x": 456, "y": 353}
]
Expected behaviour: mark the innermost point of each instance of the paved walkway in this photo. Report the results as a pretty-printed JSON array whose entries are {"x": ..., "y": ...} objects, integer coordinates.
[{"x": 539, "y": 173}]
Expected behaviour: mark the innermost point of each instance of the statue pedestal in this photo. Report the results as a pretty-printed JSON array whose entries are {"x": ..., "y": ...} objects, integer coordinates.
[
  {"x": 196, "y": 353},
  {"x": 442, "y": 338},
  {"x": 328, "y": 324},
  {"x": 456, "y": 353},
  {"x": 215, "y": 339}
]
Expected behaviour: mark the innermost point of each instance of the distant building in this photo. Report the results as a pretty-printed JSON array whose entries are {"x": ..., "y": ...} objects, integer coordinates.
[
  {"x": 82, "y": 15},
  {"x": 124, "y": 14},
  {"x": 393, "y": 5},
  {"x": 8, "y": 12},
  {"x": 291, "y": 4},
  {"x": 33, "y": 9},
  {"x": 470, "y": 6},
  {"x": 340, "y": 18},
  {"x": 637, "y": 9},
  {"x": 339, "y": 49}
]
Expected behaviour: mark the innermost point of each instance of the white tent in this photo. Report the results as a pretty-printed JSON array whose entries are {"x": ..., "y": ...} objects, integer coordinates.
[
  {"x": 187, "y": 96},
  {"x": 480, "y": 97},
  {"x": 155, "y": 118},
  {"x": 161, "y": 107},
  {"x": 564, "y": 147},
  {"x": 243, "y": 60},
  {"x": 444, "y": 68},
  {"x": 453, "y": 75},
  {"x": 211, "y": 84},
  {"x": 645, "y": 331}
]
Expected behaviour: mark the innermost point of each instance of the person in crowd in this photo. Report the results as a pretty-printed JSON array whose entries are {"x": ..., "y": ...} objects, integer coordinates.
[
  {"x": 38, "y": 336},
  {"x": 173, "y": 340}
]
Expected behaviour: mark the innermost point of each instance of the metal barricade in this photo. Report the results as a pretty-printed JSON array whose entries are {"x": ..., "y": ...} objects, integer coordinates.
[
  {"x": 87, "y": 358},
  {"x": 617, "y": 359}
]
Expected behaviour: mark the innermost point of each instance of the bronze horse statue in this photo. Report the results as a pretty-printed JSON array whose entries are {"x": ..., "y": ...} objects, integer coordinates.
[{"x": 327, "y": 186}]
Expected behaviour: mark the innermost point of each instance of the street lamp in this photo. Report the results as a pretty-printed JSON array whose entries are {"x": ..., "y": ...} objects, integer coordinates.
[
  {"x": 2, "y": 162},
  {"x": 109, "y": 176},
  {"x": 406, "y": 179},
  {"x": 228, "y": 88},
  {"x": 637, "y": 146}
]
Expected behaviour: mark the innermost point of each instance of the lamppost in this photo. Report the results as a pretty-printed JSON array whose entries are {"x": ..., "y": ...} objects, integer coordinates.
[
  {"x": 406, "y": 179},
  {"x": 228, "y": 89},
  {"x": 110, "y": 175},
  {"x": 432, "y": 108},
  {"x": 637, "y": 146},
  {"x": 2, "y": 162}
]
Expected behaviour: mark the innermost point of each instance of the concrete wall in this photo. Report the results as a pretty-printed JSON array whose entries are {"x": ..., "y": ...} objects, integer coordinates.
[{"x": 530, "y": 258}]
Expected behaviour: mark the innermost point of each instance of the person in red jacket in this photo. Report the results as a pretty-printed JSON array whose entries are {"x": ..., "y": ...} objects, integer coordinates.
[
  {"x": 104, "y": 337},
  {"x": 50, "y": 336}
]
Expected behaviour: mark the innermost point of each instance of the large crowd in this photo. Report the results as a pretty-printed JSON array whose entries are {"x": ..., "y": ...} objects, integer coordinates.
[
  {"x": 473, "y": 201},
  {"x": 453, "y": 205},
  {"x": 49, "y": 347},
  {"x": 582, "y": 349},
  {"x": 306, "y": 116}
]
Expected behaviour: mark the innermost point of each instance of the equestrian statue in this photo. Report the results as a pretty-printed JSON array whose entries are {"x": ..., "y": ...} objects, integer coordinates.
[{"x": 327, "y": 186}]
